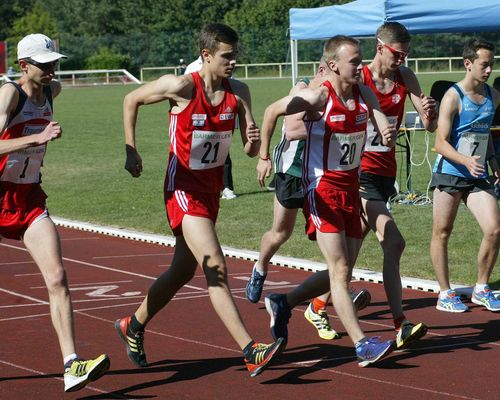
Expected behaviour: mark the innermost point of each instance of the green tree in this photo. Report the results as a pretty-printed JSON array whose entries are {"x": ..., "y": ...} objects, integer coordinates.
[{"x": 37, "y": 20}]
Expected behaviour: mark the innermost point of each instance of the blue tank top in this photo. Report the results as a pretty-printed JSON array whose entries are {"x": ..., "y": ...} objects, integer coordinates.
[{"x": 469, "y": 135}]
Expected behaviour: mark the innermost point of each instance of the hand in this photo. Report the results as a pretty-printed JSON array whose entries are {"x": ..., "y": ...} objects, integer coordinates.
[
  {"x": 264, "y": 168},
  {"x": 51, "y": 132},
  {"x": 133, "y": 163},
  {"x": 429, "y": 106},
  {"x": 476, "y": 169},
  {"x": 389, "y": 136},
  {"x": 253, "y": 133}
]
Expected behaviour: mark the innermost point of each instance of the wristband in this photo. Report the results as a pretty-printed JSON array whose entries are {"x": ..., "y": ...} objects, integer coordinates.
[{"x": 266, "y": 158}]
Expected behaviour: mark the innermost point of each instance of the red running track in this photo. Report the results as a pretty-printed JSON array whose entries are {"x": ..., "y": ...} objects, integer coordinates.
[{"x": 193, "y": 357}]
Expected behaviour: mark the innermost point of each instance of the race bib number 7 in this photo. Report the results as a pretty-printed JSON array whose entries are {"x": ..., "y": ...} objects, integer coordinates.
[
  {"x": 344, "y": 152},
  {"x": 209, "y": 149},
  {"x": 474, "y": 144}
]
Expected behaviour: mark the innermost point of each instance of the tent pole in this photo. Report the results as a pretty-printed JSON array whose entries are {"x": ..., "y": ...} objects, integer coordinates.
[{"x": 293, "y": 50}]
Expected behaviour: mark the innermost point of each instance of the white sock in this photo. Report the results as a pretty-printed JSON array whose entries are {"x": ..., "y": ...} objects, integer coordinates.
[
  {"x": 480, "y": 287},
  {"x": 259, "y": 270},
  {"x": 69, "y": 358},
  {"x": 444, "y": 293}
]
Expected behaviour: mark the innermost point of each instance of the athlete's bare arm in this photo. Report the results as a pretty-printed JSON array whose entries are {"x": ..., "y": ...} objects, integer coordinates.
[
  {"x": 387, "y": 132},
  {"x": 306, "y": 100},
  {"x": 424, "y": 105},
  {"x": 449, "y": 107},
  {"x": 9, "y": 98},
  {"x": 178, "y": 90},
  {"x": 250, "y": 133},
  {"x": 294, "y": 124}
]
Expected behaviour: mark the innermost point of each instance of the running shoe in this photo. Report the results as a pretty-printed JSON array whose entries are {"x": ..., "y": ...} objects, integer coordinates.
[
  {"x": 370, "y": 350},
  {"x": 451, "y": 303},
  {"x": 320, "y": 321},
  {"x": 409, "y": 332},
  {"x": 361, "y": 299},
  {"x": 81, "y": 372},
  {"x": 255, "y": 285},
  {"x": 228, "y": 194},
  {"x": 486, "y": 298},
  {"x": 133, "y": 342},
  {"x": 262, "y": 354},
  {"x": 280, "y": 313}
]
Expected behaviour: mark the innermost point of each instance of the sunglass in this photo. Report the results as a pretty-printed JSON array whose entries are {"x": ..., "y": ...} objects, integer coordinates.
[
  {"x": 43, "y": 66},
  {"x": 400, "y": 55}
]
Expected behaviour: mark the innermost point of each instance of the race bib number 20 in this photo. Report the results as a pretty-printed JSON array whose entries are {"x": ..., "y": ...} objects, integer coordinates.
[
  {"x": 345, "y": 151},
  {"x": 209, "y": 149}
]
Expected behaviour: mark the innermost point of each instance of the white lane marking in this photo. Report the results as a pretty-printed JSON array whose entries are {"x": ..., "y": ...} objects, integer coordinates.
[
  {"x": 133, "y": 255},
  {"x": 101, "y": 267}
]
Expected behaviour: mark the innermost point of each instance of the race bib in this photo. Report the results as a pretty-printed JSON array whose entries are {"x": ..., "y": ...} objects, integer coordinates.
[
  {"x": 473, "y": 144},
  {"x": 373, "y": 140},
  {"x": 23, "y": 166},
  {"x": 344, "y": 151},
  {"x": 209, "y": 149}
]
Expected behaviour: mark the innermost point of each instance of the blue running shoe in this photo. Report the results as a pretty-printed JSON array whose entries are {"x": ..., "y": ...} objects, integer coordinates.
[
  {"x": 370, "y": 350},
  {"x": 486, "y": 298},
  {"x": 280, "y": 313},
  {"x": 255, "y": 285},
  {"x": 451, "y": 303}
]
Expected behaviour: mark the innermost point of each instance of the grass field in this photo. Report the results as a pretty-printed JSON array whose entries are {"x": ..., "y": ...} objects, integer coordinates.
[{"x": 85, "y": 180}]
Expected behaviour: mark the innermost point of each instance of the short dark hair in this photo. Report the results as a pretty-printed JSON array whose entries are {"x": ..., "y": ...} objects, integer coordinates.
[
  {"x": 393, "y": 32},
  {"x": 333, "y": 44},
  {"x": 496, "y": 82},
  {"x": 213, "y": 34},
  {"x": 473, "y": 45}
]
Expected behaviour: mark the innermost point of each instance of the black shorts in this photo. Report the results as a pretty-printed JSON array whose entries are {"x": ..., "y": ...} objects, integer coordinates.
[
  {"x": 376, "y": 187},
  {"x": 289, "y": 190},
  {"x": 455, "y": 184}
]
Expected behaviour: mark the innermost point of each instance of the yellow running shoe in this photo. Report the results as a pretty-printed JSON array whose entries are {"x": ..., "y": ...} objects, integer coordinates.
[
  {"x": 321, "y": 323},
  {"x": 81, "y": 372}
]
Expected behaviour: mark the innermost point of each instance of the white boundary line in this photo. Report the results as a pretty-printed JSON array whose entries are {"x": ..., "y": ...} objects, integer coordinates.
[{"x": 290, "y": 262}]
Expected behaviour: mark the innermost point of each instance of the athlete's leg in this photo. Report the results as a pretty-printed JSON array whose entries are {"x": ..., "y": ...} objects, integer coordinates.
[
  {"x": 201, "y": 238},
  {"x": 393, "y": 244},
  {"x": 444, "y": 212},
  {"x": 337, "y": 249},
  {"x": 281, "y": 230},
  {"x": 42, "y": 241},
  {"x": 169, "y": 282},
  {"x": 484, "y": 206}
]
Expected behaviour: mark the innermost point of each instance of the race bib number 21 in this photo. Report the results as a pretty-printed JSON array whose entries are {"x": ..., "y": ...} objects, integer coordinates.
[{"x": 209, "y": 149}]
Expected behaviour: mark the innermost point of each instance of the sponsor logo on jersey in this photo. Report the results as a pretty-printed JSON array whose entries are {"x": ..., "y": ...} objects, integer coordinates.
[
  {"x": 32, "y": 129},
  {"x": 361, "y": 118},
  {"x": 396, "y": 98},
  {"x": 226, "y": 116},
  {"x": 470, "y": 107},
  {"x": 47, "y": 112},
  {"x": 337, "y": 118},
  {"x": 480, "y": 125},
  {"x": 28, "y": 113},
  {"x": 199, "y": 119}
]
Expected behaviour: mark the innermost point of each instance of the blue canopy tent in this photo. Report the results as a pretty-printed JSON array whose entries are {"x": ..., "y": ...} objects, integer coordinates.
[{"x": 361, "y": 18}]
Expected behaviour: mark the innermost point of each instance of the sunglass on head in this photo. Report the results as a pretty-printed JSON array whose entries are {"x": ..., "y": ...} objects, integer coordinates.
[
  {"x": 400, "y": 55},
  {"x": 43, "y": 66}
]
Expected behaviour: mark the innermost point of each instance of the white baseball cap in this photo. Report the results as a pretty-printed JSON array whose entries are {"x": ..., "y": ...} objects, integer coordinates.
[{"x": 39, "y": 48}]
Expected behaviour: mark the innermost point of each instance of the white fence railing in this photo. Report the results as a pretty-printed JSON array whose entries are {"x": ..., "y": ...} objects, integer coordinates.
[
  {"x": 284, "y": 69},
  {"x": 89, "y": 77}
]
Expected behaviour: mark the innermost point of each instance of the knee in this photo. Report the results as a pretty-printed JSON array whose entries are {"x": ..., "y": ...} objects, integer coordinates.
[
  {"x": 56, "y": 280},
  {"x": 280, "y": 237},
  {"x": 394, "y": 244},
  {"x": 493, "y": 235},
  {"x": 442, "y": 233}
]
